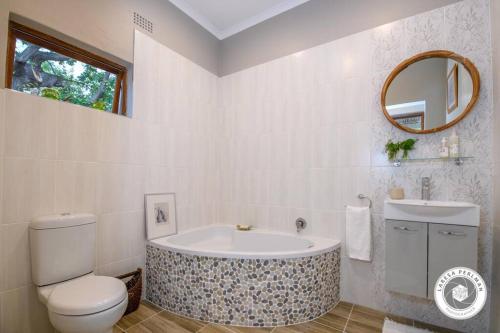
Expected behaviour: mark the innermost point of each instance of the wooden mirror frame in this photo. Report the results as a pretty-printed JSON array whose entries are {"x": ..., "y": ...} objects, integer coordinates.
[{"x": 473, "y": 72}]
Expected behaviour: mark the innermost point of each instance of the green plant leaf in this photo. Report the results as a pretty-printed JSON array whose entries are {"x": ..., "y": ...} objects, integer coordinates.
[
  {"x": 52, "y": 93},
  {"x": 407, "y": 146},
  {"x": 392, "y": 149}
]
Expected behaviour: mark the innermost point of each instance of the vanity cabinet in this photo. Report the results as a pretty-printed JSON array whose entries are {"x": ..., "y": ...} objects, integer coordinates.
[
  {"x": 450, "y": 246},
  {"x": 417, "y": 253},
  {"x": 424, "y": 239},
  {"x": 406, "y": 257}
]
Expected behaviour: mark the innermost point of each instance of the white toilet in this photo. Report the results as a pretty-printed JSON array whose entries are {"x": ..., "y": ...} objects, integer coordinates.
[{"x": 62, "y": 262}]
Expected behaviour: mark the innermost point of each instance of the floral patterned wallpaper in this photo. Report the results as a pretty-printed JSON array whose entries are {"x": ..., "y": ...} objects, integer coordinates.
[{"x": 463, "y": 28}]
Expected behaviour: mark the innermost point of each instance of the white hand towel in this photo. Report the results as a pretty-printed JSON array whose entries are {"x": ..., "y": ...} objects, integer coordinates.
[{"x": 358, "y": 233}]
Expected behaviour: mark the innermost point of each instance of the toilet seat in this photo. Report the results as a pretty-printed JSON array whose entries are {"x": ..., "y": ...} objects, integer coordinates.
[
  {"x": 100, "y": 322},
  {"x": 86, "y": 295}
]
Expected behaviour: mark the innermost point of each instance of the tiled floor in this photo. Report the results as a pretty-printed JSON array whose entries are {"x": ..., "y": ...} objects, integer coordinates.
[{"x": 345, "y": 317}]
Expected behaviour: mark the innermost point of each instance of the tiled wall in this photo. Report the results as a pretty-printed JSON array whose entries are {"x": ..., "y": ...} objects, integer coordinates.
[
  {"x": 298, "y": 136},
  {"x": 59, "y": 157},
  {"x": 243, "y": 292},
  {"x": 304, "y": 134}
]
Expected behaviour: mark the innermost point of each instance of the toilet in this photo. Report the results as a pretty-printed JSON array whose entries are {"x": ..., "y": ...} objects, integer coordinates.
[{"x": 62, "y": 262}]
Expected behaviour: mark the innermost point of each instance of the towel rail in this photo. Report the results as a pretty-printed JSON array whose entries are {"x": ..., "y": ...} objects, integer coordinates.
[{"x": 362, "y": 196}]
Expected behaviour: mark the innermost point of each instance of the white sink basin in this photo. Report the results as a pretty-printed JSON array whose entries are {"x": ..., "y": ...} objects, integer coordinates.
[{"x": 444, "y": 212}]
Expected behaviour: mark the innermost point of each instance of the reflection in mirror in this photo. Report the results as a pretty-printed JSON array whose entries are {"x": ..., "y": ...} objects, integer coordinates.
[{"x": 430, "y": 94}]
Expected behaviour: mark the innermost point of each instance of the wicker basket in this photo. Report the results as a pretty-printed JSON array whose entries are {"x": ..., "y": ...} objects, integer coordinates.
[{"x": 134, "y": 288}]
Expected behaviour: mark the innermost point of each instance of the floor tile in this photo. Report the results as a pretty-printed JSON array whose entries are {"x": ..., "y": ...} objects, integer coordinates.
[
  {"x": 367, "y": 317},
  {"x": 211, "y": 328},
  {"x": 166, "y": 322},
  {"x": 144, "y": 311},
  {"x": 356, "y": 327},
  {"x": 354, "y": 318},
  {"x": 190, "y": 325},
  {"x": 370, "y": 311},
  {"x": 310, "y": 327},
  {"x": 156, "y": 324},
  {"x": 343, "y": 309},
  {"x": 238, "y": 329},
  {"x": 332, "y": 320}
]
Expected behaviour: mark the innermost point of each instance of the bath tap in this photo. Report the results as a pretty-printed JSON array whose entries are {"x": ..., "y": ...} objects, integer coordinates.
[
  {"x": 426, "y": 188},
  {"x": 301, "y": 224}
]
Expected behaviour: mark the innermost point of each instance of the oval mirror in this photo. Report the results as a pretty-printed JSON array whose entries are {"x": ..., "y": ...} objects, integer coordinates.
[{"x": 430, "y": 92}]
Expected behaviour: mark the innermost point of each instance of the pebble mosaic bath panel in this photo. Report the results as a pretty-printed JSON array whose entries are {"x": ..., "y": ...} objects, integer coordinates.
[{"x": 243, "y": 292}]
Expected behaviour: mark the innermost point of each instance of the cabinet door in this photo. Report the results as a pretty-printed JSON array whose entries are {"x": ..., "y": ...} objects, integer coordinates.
[
  {"x": 450, "y": 246},
  {"x": 406, "y": 257}
]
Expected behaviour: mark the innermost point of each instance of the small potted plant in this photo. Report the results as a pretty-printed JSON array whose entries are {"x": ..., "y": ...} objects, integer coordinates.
[{"x": 394, "y": 148}]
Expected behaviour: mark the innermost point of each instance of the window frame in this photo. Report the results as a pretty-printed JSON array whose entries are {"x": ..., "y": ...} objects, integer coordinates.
[{"x": 41, "y": 39}]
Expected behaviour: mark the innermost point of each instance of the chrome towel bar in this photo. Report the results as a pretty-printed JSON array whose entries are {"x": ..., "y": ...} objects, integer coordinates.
[{"x": 362, "y": 196}]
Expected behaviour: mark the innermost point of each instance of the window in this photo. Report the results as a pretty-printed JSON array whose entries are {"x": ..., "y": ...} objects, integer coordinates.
[{"x": 42, "y": 65}]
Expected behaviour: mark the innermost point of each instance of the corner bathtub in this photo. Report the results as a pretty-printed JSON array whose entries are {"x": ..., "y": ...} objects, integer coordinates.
[{"x": 244, "y": 278}]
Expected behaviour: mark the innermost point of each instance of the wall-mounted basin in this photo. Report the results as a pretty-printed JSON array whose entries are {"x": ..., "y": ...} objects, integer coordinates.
[{"x": 444, "y": 212}]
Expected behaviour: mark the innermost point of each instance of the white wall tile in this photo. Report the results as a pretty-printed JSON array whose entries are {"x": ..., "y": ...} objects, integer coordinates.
[
  {"x": 16, "y": 266},
  {"x": 65, "y": 186},
  {"x": 121, "y": 267},
  {"x": 2, "y": 135},
  {"x": 22, "y": 312},
  {"x": 120, "y": 236},
  {"x": 323, "y": 189},
  {"x": 31, "y": 121},
  {"x": 120, "y": 188},
  {"x": 354, "y": 103},
  {"x": 84, "y": 199},
  {"x": 324, "y": 147},
  {"x": 47, "y": 188},
  {"x": 78, "y": 130},
  {"x": 110, "y": 145},
  {"x": 20, "y": 191}
]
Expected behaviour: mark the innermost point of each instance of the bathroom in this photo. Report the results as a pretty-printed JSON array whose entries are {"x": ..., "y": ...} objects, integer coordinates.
[{"x": 272, "y": 114}]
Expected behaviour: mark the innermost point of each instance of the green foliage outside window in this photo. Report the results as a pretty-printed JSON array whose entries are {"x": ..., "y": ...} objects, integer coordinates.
[{"x": 42, "y": 72}]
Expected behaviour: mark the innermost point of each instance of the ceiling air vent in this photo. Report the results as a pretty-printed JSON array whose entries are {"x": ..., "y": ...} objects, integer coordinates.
[{"x": 143, "y": 22}]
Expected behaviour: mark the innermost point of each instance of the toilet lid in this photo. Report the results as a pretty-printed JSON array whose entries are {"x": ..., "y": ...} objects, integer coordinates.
[{"x": 87, "y": 295}]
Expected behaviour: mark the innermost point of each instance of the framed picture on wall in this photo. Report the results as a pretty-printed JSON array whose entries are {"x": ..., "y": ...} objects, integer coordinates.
[
  {"x": 412, "y": 120},
  {"x": 452, "y": 89},
  {"x": 161, "y": 219}
]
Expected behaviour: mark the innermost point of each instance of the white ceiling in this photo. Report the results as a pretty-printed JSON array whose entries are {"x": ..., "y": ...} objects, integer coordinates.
[{"x": 224, "y": 18}]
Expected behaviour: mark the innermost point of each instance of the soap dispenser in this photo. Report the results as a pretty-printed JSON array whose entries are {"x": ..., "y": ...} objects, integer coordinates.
[
  {"x": 443, "y": 151},
  {"x": 454, "y": 144}
]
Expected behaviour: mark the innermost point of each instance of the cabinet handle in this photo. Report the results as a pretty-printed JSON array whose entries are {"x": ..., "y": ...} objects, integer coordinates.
[
  {"x": 405, "y": 229},
  {"x": 452, "y": 233}
]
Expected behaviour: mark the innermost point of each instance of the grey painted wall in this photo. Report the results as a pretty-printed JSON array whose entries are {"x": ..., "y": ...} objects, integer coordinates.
[
  {"x": 313, "y": 23},
  {"x": 495, "y": 283},
  {"x": 107, "y": 26}
]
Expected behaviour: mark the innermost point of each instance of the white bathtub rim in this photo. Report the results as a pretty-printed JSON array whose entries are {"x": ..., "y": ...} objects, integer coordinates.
[{"x": 321, "y": 245}]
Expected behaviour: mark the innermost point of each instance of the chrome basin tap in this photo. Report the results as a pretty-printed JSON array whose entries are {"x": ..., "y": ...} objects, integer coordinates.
[{"x": 426, "y": 188}]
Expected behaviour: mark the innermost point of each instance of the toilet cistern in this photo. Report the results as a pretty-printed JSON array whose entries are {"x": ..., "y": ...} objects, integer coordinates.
[{"x": 62, "y": 263}]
